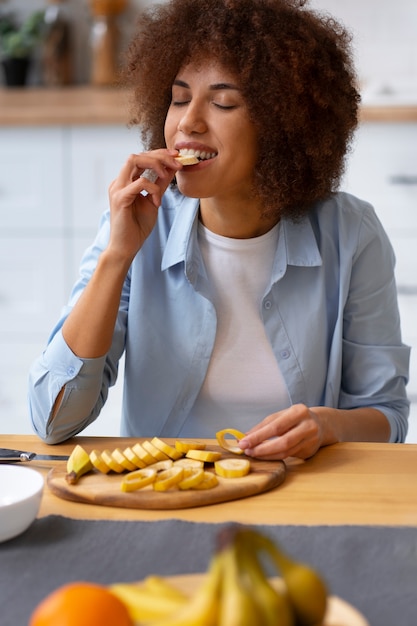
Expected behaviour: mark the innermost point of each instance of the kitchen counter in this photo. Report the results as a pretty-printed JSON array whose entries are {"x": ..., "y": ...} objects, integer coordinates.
[{"x": 86, "y": 105}]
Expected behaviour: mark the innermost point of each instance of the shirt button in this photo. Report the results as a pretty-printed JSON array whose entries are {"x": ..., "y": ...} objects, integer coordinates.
[
  {"x": 71, "y": 371},
  {"x": 267, "y": 304},
  {"x": 285, "y": 354}
]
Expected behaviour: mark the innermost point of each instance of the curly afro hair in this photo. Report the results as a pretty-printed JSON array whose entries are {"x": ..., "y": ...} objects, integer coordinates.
[{"x": 295, "y": 69}]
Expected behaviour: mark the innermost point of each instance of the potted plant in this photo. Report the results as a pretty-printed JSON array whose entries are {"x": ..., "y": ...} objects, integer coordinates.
[{"x": 17, "y": 43}]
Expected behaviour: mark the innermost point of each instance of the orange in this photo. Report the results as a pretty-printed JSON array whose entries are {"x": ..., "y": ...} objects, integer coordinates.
[{"x": 81, "y": 604}]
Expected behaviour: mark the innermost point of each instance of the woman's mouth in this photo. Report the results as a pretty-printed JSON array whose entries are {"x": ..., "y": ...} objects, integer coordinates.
[{"x": 201, "y": 155}]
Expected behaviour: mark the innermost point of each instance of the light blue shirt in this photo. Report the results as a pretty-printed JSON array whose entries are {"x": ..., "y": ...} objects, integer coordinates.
[{"x": 330, "y": 313}]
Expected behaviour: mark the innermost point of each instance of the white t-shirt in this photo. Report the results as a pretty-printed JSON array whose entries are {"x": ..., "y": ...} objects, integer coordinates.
[{"x": 243, "y": 383}]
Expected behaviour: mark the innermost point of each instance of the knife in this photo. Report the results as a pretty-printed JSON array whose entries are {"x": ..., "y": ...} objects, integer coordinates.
[{"x": 12, "y": 456}]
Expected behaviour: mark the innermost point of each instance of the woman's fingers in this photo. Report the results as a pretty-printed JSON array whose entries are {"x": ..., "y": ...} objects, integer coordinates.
[
  {"x": 161, "y": 162},
  {"x": 291, "y": 432},
  {"x": 147, "y": 174}
]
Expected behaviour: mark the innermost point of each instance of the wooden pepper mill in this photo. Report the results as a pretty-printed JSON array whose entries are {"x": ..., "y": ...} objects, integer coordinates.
[{"x": 105, "y": 40}]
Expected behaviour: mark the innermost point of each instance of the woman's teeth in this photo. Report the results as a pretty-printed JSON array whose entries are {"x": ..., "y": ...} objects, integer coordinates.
[{"x": 199, "y": 154}]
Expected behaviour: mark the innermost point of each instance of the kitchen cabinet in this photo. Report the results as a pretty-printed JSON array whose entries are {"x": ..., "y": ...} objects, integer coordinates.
[
  {"x": 53, "y": 189},
  {"x": 382, "y": 169}
]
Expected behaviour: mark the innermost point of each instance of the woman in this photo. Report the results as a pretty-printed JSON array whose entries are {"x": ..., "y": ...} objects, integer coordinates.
[{"x": 244, "y": 291}]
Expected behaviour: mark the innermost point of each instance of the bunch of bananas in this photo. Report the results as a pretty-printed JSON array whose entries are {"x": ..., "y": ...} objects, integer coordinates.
[{"x": 236, "y": 590}]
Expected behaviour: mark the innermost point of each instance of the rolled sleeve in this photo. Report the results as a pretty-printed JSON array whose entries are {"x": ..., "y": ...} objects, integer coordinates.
[{"x": 59, "y": 367}]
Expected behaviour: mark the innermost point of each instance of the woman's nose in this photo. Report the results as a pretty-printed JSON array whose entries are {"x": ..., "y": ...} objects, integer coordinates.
[{"x": 192, "y": 121}]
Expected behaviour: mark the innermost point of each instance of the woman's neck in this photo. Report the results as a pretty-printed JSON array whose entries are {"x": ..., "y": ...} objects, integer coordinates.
[{"x": 237, "y": 220}]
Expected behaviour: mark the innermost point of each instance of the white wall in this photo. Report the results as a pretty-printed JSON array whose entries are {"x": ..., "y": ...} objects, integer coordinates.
[{"x": 385, "y": 33}]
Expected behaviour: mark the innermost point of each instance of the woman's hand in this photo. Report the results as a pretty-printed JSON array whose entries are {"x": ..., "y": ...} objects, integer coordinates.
[
  {"x": 296, "y": 431},
  {"x": 134, "y": 199},
  {"x": 300, "y": 431}
]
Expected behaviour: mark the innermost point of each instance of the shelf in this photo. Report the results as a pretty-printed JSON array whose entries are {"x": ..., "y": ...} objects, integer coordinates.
[
  {"x": 86, "y": 105},
  {"x": 63, "y": 106}
]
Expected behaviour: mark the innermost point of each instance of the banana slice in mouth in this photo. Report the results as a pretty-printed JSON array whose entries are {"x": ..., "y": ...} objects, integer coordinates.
[{"x": 187, "y": 159}]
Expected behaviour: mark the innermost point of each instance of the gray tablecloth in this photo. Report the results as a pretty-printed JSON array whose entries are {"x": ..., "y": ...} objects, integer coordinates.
[{"x": 374, "y": 568}]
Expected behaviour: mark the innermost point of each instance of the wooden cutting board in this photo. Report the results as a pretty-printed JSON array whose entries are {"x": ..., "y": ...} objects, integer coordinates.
[
  {"x": 339, "y": 612},
  {"x": 105, "y": 489}
]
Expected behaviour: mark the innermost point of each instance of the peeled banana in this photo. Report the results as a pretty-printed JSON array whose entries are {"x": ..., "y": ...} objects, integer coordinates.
[{"x": 163, "y": 456}]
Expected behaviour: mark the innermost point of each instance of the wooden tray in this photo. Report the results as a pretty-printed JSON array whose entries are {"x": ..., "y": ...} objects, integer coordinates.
[
  {"x": 339, "y": 612},
  {"x": 104, "y": 489}
]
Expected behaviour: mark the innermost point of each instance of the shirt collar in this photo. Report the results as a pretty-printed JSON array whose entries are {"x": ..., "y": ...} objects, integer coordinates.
[
  {"x": 186, "y": 210},
  {"x": 297, "y": 244}
]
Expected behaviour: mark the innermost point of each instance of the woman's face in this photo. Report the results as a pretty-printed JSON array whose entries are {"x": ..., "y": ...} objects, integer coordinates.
[{"x": 208, "y": 115}]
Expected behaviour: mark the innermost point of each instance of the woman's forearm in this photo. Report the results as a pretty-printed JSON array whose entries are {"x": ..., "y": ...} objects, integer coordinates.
[
  {"x": 362, "y": 424},
  {"x": 89, "y": 328}
]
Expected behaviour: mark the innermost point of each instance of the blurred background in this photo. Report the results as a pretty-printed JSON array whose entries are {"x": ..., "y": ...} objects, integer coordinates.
[{"x": 63, "y": 138}]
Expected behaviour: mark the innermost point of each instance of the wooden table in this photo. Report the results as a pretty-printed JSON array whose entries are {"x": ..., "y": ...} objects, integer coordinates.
[{"x": 349, "y": 483}]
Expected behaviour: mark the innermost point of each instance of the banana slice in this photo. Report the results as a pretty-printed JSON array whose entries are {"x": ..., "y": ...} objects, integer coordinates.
[
  {"x": 184, "y": 446},
  {"x": 186, "y": 159},
  {"x": 227, "y": 444},
  {"x": 232, "y": 468},
  {"x": 209, "y": 481},
  {"x": 133, "y": 458},
  {"x": 120, "y": 458},
  {"x": 97, "y": 461},
  {"x": 207, "y": 456},
  {"x": 154, "y": 451},
  {"x": 170, "y": 451},
  {"x": 184, "y": 462},
  {"x": 192, "y": 476},
  {"x": 168, "y": 478},
  {"x": 107, "y": 457},
  {"x": 160, "y": 466},
  {"x": 138, "y": 479},
  {"x": 143, "y": 454}
]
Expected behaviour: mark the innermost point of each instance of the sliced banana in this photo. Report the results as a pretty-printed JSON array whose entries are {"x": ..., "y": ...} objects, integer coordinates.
[
  {"x": 185, "y": 462},
  {"x": 192, "y": 476},
  {"x": 133, "y": 458},
  {"x": 232, "y": 468},
  {"x": 168, "y": 478},
  {"x": 154, "y": 451},
  {"x": 138, "y": 479},
  {"x": 107, "y": 457},
  {"x": 209, "y": 481},
  {"x": 120, "y": 458},
  {"x": 160, "y": 466},
  {"x": 143, "y": 454},
  {"x": 184, "y": 446},
  {"x": 186, "y": 159},
  {"x": 97, "y": 461},
  {"x": 207, "y": 456},
  {"x": 226, "y": 443},
  {"x": 170, "y": 451}
]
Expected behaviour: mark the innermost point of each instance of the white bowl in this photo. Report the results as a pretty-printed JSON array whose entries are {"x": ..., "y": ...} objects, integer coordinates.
[{"x": 21, "y": 491}]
